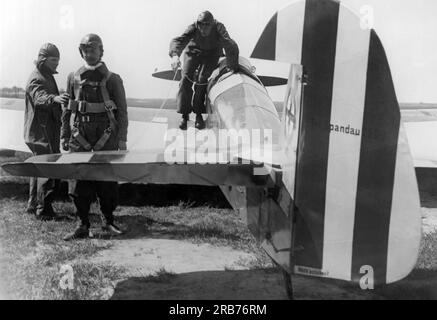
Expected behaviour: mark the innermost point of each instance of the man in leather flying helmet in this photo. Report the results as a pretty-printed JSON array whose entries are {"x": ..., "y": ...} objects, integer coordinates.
[
  {"x": 203, "y": 42},
  {"x": 95, "y": 119}
]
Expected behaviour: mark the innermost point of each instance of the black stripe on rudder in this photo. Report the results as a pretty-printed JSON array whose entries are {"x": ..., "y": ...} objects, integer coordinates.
[
  {"x": 318, "y": 59},
  {"x": 376, "y": 174},
  {"x": 265, "y": 48}
]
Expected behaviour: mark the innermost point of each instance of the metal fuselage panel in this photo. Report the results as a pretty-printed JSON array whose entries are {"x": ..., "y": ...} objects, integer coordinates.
[{"x": 240, "y": 106}]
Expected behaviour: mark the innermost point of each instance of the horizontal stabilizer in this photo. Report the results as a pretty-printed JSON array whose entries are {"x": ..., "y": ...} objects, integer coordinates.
[
  {"x": 267, "y": 81},
  {"x": 137, "y": 167}
]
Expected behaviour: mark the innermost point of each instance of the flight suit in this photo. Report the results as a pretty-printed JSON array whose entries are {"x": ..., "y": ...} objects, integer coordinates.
[
  {"x": 82, "y": 126},
  {"x": 42, "y": 124},
  {"x": 203, "y": 53}
]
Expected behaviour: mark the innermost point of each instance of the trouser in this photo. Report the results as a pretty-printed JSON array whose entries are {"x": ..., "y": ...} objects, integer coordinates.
[
  {"x": 83, "y": 192},
  {"x": 186, "y": 102},
  {"x": 42, "y": 190}
]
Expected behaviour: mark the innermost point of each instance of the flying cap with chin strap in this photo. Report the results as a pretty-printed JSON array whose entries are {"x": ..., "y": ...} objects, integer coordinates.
[
  {"x": 205, "y": 17},
  {"x": 46, "y": 50},
  {"x": 91, "y": 40}
]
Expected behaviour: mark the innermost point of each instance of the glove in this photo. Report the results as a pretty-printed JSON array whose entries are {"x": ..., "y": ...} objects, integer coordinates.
[
  {"x": 65, "y": 145},
  {"x": 122, "y": 145},
  {"x": 175, "y": 63}
]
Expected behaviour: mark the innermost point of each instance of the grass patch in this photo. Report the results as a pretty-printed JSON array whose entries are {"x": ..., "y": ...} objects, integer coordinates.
[
  {"x": 428, "y": 252},
  {"x": 220, "y": 227},
  {"x": 33, "y": 252}
]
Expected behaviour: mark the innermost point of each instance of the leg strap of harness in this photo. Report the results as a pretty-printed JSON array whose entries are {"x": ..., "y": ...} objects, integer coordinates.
[
  {"x": 79, "y": 138},
  {"x": 76, "y": 134},
  {"x": 107, "y": 133}
]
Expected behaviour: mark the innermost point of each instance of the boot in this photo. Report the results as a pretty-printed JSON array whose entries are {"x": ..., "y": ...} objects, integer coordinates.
[
  {"x": 112, "y": 228},
  {"x": 184, "y": 122},
  {"x": 200, "y": 124},
  {"x": 45, "y": 213},
  {"x": 81, "y": 232},
  {"x": 31, "y": 209}
]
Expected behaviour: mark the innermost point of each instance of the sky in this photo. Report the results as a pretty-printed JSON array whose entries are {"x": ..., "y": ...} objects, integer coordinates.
[{"x": 136, "y": 36}]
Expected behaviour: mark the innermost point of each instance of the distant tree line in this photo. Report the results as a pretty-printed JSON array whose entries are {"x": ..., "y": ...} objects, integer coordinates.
[{"x": 16, "y": 92}]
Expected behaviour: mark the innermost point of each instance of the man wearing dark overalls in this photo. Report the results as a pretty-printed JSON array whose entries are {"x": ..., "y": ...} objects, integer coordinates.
[
  {"x": 95, "y": 120},
  {"x": 204, "y": 41},
  {"x": 42, "y": 125}
]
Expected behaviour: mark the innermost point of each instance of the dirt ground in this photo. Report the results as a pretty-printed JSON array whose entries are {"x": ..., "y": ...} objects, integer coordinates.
[{"x": 160, "y": 269}]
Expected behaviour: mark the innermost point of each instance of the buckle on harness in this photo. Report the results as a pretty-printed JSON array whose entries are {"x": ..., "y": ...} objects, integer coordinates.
[
  {"x": 85, "y": 118},
  {"x": 82, "y": 106},
  {"x": 109, "y": 107}
]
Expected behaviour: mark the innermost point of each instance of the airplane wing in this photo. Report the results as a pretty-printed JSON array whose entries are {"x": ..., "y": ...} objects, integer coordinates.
[
  {"x": 267, "y": 80},
  {"x": 140, "y": 167},
  {"x": 421, "y": 125},
  {"x": 12, "y": 126}
]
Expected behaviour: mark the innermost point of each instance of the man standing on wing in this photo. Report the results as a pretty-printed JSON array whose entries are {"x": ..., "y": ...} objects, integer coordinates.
[
  {"x": 204, "y": 41},
  {"x": 42, "y": 124},
  {"x": 95, "y": 119}
]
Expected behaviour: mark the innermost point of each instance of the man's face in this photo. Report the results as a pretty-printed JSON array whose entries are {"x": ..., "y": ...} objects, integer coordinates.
[
  {"x": 204, "y": 28},
  {"x": 91, "y": 54},
  {"x": 52, "y": 63}
]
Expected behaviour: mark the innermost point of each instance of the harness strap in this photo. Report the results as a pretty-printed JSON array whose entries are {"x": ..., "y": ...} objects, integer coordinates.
[
  {"x": 86, "y": 107},
  {"x": 79, "y": 105},
  {"x": 103, "y": 139},
  {"x": 109, "y": 106},
  {"x": 79, "y": 138}
]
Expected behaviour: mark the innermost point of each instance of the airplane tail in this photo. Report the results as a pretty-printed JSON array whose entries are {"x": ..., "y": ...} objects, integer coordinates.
[{"x": 349, "y": 164}]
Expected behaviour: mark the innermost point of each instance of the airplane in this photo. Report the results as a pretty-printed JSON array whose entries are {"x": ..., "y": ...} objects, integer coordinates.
[{"x": 328, "y": 187}]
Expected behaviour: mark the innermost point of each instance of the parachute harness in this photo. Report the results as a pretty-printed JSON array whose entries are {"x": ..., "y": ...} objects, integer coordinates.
[{"x": 82, "y": 109}]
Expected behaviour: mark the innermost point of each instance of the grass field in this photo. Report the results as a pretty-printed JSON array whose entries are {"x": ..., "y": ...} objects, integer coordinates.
[{"x": 32, "y": 252}]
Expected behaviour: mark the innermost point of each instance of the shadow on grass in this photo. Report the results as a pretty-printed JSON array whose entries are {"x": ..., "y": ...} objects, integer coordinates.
[
  {"x": 13, "y": 190},
  {"x": 168, "y": 195},
  {"x": 265, "y": 284},
  {"x": 134, "y": 194},
  {"x": 420, "y": 284},
  {"x": 20, "y": 191},
  {"x": 140, "y": 226},
  {"x": 203, "y": 285}
]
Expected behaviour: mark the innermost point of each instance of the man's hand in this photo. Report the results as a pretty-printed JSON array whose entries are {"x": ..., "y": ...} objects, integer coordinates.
[
  {"x": 62, "y": 99},
  {"x": 122, "y": 145},
  {"x": 175, "y": 63},
  {"x": 65, "y": 145}
]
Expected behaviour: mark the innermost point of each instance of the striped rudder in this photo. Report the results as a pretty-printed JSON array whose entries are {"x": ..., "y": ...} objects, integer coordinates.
[{"x": 356, "y": 191}]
